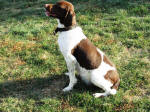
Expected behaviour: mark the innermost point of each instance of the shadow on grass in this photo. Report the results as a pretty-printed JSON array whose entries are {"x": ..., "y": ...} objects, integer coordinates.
[
  {"x": 35, "y": 88},
  {"x": 38, "y": 88}
]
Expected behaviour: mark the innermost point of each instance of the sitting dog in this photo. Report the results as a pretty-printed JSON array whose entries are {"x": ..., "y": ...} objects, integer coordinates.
[{"x": 80, "y": 54}]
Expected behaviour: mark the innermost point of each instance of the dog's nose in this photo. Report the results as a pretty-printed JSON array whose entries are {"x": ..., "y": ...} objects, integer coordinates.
[{"x": 46, "y": 5}]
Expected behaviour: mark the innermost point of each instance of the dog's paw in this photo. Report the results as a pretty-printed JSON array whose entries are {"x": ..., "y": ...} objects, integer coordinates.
[
  {"x": 67, "y": 73},
  {"x": 67, "y": 89},
  {"x": 97, "y": 95}
]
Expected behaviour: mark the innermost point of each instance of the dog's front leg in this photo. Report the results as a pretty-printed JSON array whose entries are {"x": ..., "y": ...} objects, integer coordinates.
[{"x": 71, "y": 68}]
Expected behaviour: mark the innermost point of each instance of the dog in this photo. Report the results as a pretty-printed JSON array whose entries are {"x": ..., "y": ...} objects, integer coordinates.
[{"x": 80, "y": 54}]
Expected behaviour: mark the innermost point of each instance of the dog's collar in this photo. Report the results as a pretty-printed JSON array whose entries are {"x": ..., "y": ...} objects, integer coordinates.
[{"x": 64, "y": 29}]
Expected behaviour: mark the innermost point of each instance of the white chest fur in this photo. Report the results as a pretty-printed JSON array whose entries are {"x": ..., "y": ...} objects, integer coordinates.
[{"x": 69, "y": 39}]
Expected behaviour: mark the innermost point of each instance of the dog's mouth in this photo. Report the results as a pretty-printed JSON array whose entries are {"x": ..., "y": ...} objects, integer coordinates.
[{"x": 47, "y": 13}]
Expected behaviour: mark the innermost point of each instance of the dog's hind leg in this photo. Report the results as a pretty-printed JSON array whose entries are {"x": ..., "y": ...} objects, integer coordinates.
[
  {"x": 67, "y": 73},
  {"x": 106, "y": 85},
  {"x": 107, "y": 92},
  {"x": 71, "y": 68}
]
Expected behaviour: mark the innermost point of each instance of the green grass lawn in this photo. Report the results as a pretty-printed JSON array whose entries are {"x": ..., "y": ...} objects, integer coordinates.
[{"x": 32, "y": 67}]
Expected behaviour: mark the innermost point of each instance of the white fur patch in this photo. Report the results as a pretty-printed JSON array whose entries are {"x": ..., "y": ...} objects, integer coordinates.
[{"x": 59, "y": 24}]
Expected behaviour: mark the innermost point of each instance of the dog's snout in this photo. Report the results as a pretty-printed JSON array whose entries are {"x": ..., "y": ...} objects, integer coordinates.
[{"x": 46, "y": 5}]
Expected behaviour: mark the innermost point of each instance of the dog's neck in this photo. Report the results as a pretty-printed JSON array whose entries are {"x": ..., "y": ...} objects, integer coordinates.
[
  {"x": 59, "y": 24},
  {"x": 61, "y": 27}
]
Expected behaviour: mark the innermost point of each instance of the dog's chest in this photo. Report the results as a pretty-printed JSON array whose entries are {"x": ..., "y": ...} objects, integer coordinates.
[{"x": 69, "y": 39}]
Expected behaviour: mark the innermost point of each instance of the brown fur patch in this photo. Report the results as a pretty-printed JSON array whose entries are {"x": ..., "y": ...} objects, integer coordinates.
[
  {"x": 107, "y": 61},
  {"x": 87, "y": 55},
  {"x": 113, "y": 77}
]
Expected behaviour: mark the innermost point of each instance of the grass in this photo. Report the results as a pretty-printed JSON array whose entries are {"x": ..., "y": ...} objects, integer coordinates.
[{"x": 32, "y": 67}]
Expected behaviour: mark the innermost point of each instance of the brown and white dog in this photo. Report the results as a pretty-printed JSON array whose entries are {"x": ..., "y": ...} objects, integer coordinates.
[{"x": 80, "y": 54}]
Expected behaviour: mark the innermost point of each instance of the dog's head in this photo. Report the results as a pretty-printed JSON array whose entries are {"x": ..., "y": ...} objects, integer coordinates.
[{"x": 64, "y": 11}]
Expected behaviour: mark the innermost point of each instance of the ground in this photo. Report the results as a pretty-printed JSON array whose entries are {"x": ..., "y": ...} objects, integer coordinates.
[{"x": 32, "y": 67}]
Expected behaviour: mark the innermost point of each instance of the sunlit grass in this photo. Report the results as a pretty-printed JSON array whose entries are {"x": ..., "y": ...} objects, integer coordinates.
[{"x": 32, "y": 67}]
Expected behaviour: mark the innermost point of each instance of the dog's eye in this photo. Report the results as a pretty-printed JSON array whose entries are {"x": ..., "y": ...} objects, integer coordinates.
[{"x": 56, "y": 6}]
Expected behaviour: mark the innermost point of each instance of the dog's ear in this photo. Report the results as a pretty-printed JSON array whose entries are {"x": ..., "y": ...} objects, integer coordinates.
[
  {"x": 70, "y": 11},
  {"x": 68, "y": 15},
  {"x": 69, "y": 19}
]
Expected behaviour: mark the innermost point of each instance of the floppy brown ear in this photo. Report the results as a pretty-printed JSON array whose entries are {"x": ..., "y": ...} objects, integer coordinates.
[
  {"x": 69, "y": 10},
  {"x": 69, "y": 19}
]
